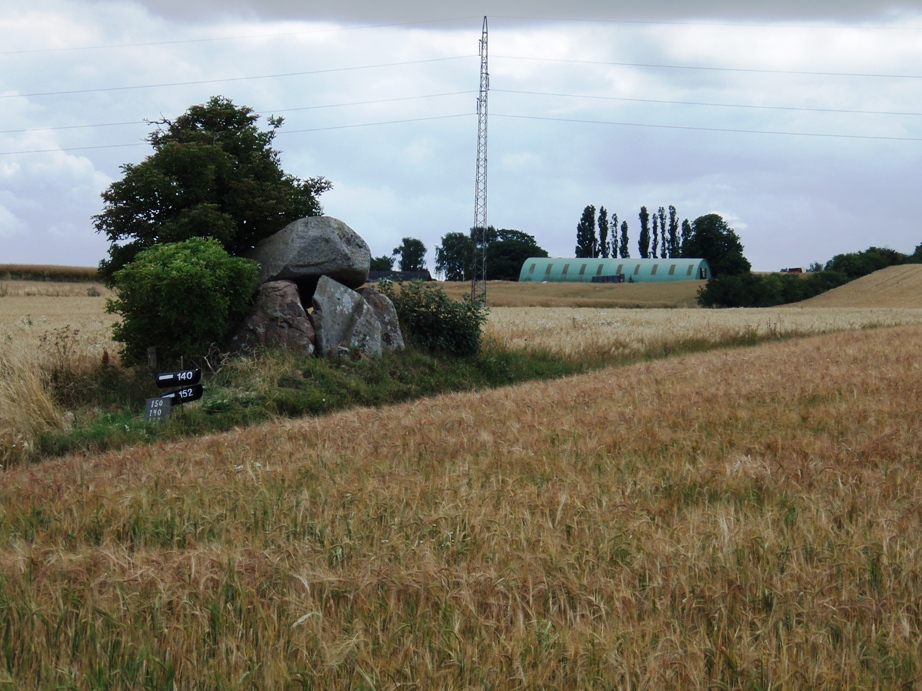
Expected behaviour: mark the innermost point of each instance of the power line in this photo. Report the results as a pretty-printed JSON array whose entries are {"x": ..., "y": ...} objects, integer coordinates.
[
  {"x": 258, "y": 112},
  {"x": 713, "y": 69},
  {"x": 714, "y": 105},
  {"x": 279, "y": 133},
  {"x": 234, "y": 79},
  {"x": 729, "y": 25},
  {"x": 712, "y": 129},
  {"x": 233, "y": 38}
]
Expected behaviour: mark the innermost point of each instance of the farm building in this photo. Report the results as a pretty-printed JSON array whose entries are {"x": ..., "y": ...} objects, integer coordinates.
[{"x": 556, "y": 270}]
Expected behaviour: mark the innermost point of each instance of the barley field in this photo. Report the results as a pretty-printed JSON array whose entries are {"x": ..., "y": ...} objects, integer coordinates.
[
  {"x": 743, "y": 518},
  {"x": 895, "y": 286}
]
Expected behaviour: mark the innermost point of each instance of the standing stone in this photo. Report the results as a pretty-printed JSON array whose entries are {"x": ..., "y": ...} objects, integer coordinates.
[
  {"x": 312, "y": 247},
  {"x": 391, "y": 335},
  {"x": 277, "y": 321},
  {"x": 343, "y": 320}
]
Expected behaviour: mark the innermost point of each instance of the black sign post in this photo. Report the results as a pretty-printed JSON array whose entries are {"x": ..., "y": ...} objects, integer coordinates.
[
  {"x": 187, "y": 394},
  {"x": 186, "y": 377}
]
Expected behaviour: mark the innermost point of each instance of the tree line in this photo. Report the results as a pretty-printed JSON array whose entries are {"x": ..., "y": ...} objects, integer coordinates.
[
  {"x": 766, "y": 290},
  {"x": 707, "y": 237}
]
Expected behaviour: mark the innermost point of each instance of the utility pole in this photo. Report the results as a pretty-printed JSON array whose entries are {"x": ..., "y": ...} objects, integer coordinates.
[{"x": 479, "y": 280}]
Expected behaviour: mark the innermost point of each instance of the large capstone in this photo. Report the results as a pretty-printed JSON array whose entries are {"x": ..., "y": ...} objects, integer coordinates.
[
  {"x": 343, "y": 321},
  {"x": 391, "y": 335},
  {"x": 312, "y": 247},
  {"x": 277, "y": 321}
]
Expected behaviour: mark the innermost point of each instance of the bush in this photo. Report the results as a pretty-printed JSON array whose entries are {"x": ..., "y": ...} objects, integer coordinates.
[
  {"x": 180, "y": 297},
  {"x": 433, "y": 321}
]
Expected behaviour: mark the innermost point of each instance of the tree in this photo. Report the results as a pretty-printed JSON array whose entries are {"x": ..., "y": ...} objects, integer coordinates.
[
  {"x": 214, "y": 174},
  {"x": 686, "y": 233},
  {"x": 623, "y": 250},
  {"x": 603, "y": 233},
  {"x": 585, "y": 234},
  {"x": 180, "y": 297},
  {"x": 712, "y": 239},
  {"x": 412, "y": 254},
  {"x": 643, "y": 242},
  {"x": 382, "y": 263},
  {"x": 507, "y": 252},
  {"x": 674, "y": 246},
  {"x": 664, "y": 238},
  {"x": 613, "y": 233},
  {"x": 655, "y": 235},
  {"x": 455, "y": 256}
]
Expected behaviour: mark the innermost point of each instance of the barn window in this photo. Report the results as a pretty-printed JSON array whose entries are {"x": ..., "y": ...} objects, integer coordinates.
[
  {"x": 620, "y": 266},
  {"x": 599, "y": 271},
  {"x": 548, "y": 269},
  {"x": 690, "y": 269},
  {"x": 582, "y": 269},
  {"x": 637, "y": 269},
  {"x": 532, "y": 269},
  {"x": 655, "y": 267},
  {"x": 566, "y": 267},
  {"x": 672, "y": 270}
]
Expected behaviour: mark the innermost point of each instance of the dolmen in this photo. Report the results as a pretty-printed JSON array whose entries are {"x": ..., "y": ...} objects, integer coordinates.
[{"x": 321, "y": 262}]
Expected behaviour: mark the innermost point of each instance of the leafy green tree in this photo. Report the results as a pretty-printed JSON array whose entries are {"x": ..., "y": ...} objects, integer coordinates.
[
  {"x": 643, "y": 242},
  {"x": 454, "y": 257},
  {"x": 412, "y": 253},
  {"x": 686, "y": 233},
  {"x": 603, "y": 233},
  {"x": 664, "y": 238},
  {"x": 214, "y": 174},
  {"x": 180, "y": 297},
  {"x": 585, "y": 234},
  {"x": 507, "y": 253},
  {"x": 382, "y": 263},
  {"x": 655, "y": 235},
  {"x": 623, "y": 249},
  {"x": 917, "y": 255},
  {"x": 857, "y": 264},
  {"x": 613, "y": 233},
  {"x": 674, "y": 245},
  {"x": 712, "y": 239}
]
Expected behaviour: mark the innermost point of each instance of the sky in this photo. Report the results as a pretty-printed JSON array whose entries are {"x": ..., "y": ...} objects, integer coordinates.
[{"x": 799, "y": 123}]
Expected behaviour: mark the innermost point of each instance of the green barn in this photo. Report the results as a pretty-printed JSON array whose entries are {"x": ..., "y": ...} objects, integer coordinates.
[{"x": 556, "y": 270}]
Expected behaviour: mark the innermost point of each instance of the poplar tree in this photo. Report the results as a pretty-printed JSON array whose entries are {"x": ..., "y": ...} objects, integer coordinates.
[
  {"x": 623, "y": 250},
  {"x": 643, "y": 242},
  {"x": 585, "y": 234},
  {"x": 664, "y": 238},
  {"x": 655, "y": 235},
  {"x": 602, "y": 249},
  {"x": 613, "y": 233},
  {"x": 674, "y": 248}
]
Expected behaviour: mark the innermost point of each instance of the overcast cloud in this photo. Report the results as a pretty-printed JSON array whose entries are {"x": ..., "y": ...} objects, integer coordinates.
[{"x": 802, "y": 156}]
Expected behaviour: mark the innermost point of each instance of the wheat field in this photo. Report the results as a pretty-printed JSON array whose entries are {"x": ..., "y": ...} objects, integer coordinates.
[{"x": 735, "y": 519}]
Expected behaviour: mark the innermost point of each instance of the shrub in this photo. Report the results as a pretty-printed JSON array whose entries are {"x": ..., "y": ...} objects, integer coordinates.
[
  {"x": 433, "y": 321},
  {"x": 180, "y": 297}
]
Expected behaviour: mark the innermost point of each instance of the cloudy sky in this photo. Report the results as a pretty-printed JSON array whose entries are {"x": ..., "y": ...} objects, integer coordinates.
[{"x": 799, "y": 122}]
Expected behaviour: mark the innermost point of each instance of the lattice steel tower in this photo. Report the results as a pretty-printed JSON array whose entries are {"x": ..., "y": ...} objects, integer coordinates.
[{"x": 479, "y": 280}]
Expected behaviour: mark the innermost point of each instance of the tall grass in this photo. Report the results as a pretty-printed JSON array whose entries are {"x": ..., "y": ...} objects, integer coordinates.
[{"x": 736, "y": 519}]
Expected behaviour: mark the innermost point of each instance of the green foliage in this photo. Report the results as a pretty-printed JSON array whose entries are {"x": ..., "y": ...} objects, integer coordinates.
[
  {"x": 603, "y": 232},
  {"x": 382, "y": 263},
  {"x": 507, "y": 251},
  {"x": 434, "y": 322},
  {"x": 712, "y": 239},
  {"x": 455, "y": 256},
  {"x": 180, "y": 297},
  {"x": 412, "y": 253},
  {"x": 586, "y": 241},
  {"x": 623, "y": 249},
  {"x": 755, "y": 290},
  {"x": 917, "y": 255},
  {"x": 857, "y": 264},
  {"x": 643, "y": 242},
  {"x": 213, "y": 174}
]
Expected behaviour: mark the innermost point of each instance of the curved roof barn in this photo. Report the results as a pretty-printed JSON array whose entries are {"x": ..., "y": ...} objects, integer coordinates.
[{"x": 555, "y": 269}]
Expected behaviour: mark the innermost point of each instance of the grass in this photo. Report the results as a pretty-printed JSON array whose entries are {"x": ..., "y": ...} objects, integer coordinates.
[
  {"x": 48, "y": 272},
  {"x": 895, "y": 286},
  {"x": 740, "y": 518}
]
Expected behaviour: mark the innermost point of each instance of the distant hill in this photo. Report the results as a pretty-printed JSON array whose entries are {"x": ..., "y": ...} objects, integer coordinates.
[{"x": 895, "y": 286}]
